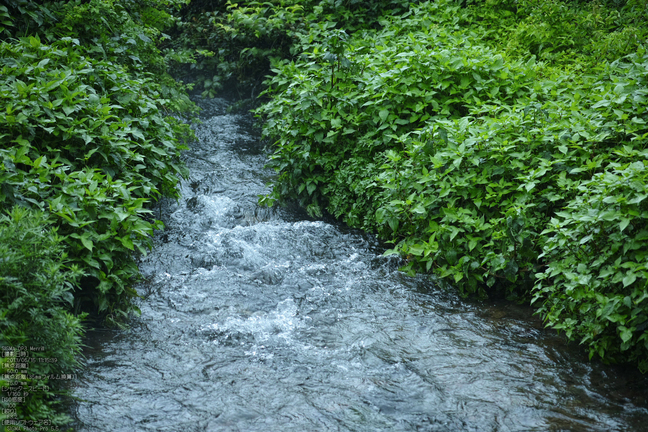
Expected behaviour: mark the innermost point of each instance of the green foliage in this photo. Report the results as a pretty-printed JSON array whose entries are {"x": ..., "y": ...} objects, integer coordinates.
[
  {"x": 463, "y": 153},
  {"x": 376, "y": 102},
  {"x": 124, "y": 32},
  {"x": 84, "y": 141},
  {"x": 23, "y": 17},
  {"x": 117, "y": 31},
  {"x": 130, "y": 33},
  {"x": 594, "y": 286},
  {"x": 36, "y": 282},
  {"x": 562, "y": 32},
  {"x": 235, "y": 43},
  {"x": 87, "y": 144}
]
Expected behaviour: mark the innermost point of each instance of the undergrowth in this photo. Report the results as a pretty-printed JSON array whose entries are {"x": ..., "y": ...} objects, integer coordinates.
[{"x": 499, "y": 145}]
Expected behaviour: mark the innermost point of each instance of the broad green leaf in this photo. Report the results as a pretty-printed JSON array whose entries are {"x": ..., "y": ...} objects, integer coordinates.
[
  {"x": 86, "y": 242},
  {"x": 419, "y": 209},
  {"x": 121, "y": 215},
  {"x": 390, "y": 252},
  {"x": 137, "y": 133},
  {"x": 624, "y": 223},
  {"x": 625, "y": 334},
  {"x": 311, "y": 188},
  {"x": 127, "y": 242},
  {"x": 629, "y": 279},
  {"x": 417, "y": 250}
]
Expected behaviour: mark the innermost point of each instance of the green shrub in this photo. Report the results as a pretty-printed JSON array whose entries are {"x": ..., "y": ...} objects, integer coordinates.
[
  {"x": 562, "y": 32},
  {"x": 464, "y": 157},
  {"x": 594, "y": 286},
  {"x": 36, "y": 284},
  {"x": 234, "y": 43},
  {"x": 129, "y": 33},
  {"x": 86, "y": 142},
  {"x": 20, "y": 18},
  {"x": 594, "y": 283},
  {"x": 376, "y": 132}
]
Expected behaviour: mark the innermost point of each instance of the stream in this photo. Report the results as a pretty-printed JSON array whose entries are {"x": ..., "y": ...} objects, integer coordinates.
[{"x": 257, "y": 319}]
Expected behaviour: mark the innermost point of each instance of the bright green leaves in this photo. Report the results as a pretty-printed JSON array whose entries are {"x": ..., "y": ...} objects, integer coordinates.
[
  {"x": 629, "y": 279},
  {"x": 597, "y": 260},
  {"x": 88, "y": 144},
  {"x": 481, "y": 222},
  {"x": 562, "y": 33},
  {"x": 498, "y": 173},
  {"x": 322, "y": 121},
  {"x": 127, "y": 242},
  {"x": 85, "y": 147}
]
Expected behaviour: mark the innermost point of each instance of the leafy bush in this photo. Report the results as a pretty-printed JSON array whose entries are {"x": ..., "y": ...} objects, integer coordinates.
[
  {"x": 234, "y": 43},
  {"x": 20, "y": 18},
  {"x": 562, "y": 32},
  {"x": 87, "y": 144},
  {"x": 84, "y": 141},
  {"x": 369, "y": 133},
  {"x": 464, "y": 156},
  {"x": 36, "y": 283},
  {"x": 595, "y": 283},
  {"x": 124, "y": 32}
]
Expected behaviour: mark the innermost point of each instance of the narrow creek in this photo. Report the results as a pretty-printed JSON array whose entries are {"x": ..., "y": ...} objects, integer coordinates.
[{"x": 257, "y": 319}]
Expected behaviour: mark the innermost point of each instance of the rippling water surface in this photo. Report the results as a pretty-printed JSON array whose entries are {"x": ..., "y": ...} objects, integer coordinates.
[{"x": 263, "y": 320}]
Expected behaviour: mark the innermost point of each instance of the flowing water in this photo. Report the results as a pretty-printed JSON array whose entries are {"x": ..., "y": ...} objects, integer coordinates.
[{"x": 265, "y": 320}]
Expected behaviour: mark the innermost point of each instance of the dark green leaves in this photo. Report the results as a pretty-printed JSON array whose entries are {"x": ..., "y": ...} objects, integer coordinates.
[{"x": 36, "y": 280}]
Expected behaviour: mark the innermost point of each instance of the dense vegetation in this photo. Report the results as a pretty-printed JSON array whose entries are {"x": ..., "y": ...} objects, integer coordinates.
[
  {"x": 500, "y": 145},
  {"x": 87, "y": 145},
  {"x": 232, "y": 45}
]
